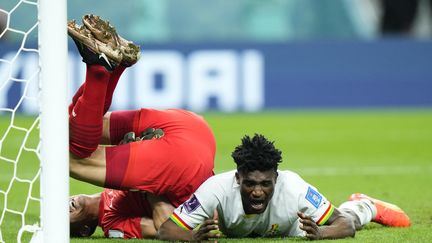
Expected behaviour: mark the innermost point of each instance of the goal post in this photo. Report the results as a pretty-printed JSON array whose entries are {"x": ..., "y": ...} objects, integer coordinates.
[
  {"x": 54, "y": 132},
  {"x": 34, "y": 167}
]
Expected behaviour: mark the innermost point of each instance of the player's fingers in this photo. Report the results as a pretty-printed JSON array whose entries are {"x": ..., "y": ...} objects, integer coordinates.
[
  {"x": 207, "y": 226},
  {"x": 205, "y": 235},
  {"x": 208, "y": 229},
  {"x": 210, "y": 222},
  {"x": 308, "y": 228},
  {"x": 303, "y": 216},
  {"x": 213, "y": 234},
  {"x": 307, "y": 222}
]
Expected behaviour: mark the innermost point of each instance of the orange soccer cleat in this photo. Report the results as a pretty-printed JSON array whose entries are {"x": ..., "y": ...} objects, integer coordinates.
[{"x": 387, "y": 214}]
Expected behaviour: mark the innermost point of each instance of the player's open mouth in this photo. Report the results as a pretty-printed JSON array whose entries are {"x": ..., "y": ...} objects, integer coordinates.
[{"x": 258, "y": 206}]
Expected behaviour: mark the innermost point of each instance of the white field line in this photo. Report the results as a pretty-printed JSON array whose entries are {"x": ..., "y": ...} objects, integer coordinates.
[{"x": 365, "y": 170}]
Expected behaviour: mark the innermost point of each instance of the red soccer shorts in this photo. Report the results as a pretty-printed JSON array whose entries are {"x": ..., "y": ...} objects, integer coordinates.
[{"x": 173, "y": 166}]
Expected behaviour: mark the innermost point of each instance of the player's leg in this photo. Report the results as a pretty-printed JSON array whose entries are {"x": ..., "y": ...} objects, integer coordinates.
[
  {"x": 106, "y": 137},
  {"x": 87, "y": 108},
  {"x": 384, "y": 213},
  {"x": 85, "y": 119},
  {"x": 106, "y": 33},
  {"x": 117, "y": 124},
  {"x": 91, "y": 169},
  {"x": 359, "y": 212},
  {"x": 87, "y": 161},
  {"x": 115, "y": 76},
  {"x": 105, "y": 167},
  {"x": 99, "y": 43}
]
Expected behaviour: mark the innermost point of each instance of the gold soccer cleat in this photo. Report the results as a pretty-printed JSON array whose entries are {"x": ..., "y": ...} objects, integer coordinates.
[{"x": 103, "y": 31}]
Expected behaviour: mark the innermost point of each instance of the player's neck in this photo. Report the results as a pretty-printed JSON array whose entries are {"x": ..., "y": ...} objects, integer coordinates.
[{"x": 93, "y": 206}]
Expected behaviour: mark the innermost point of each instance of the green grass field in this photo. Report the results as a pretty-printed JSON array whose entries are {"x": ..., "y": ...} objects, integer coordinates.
[{"x": 384, "y": 153}]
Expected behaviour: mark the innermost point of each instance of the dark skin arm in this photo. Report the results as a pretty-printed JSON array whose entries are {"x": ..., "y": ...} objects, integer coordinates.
[
  {"x": 338, "y": 226},
  {"x": 170, "y": 231},
  {"x": 161, "y": 210}
]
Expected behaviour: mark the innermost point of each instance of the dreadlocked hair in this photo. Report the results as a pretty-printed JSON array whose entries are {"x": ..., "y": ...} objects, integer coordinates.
[{"x": 256, "y": 153}]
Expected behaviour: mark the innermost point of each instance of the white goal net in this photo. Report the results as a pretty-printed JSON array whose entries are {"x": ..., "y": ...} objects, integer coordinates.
[{"x": 33, "y": 121}]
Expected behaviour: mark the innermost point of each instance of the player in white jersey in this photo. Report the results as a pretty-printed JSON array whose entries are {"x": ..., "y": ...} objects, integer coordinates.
[{"x": 259, "y": 200}]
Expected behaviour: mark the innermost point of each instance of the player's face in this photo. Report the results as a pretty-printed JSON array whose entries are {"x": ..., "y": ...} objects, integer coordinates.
[
  {"x": 256, "y": 189},
  {"x": 78, "y": 208}
]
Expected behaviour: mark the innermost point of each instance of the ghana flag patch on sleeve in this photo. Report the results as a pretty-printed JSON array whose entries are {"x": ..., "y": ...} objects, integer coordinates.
[
  {"x": 178, "y": 221},
  {"x": 326, "y": 215}
]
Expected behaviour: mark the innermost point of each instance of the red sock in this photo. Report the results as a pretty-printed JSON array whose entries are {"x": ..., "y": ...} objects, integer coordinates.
[
  {"x": 115, "y": 76},
  {"x": 85, "y": 120},
  {"x": 78, "y": 94}
]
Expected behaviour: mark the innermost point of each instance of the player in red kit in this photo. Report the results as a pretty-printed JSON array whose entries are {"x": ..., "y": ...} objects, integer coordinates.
[
  {"x": 120, "y": 214},
  {"x": 165, "y": 153}
]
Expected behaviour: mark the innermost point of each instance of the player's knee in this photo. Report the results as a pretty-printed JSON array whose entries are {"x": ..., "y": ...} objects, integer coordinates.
[
  {"x": 82, "y": 152},
  {"x": 84, "y": 139},
  {"x": 76, "y": 167},
  {"x": 73, "y": 167}
]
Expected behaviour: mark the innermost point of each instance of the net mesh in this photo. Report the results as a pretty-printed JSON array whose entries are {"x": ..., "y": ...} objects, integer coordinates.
[{"x": 19, "y": 121}]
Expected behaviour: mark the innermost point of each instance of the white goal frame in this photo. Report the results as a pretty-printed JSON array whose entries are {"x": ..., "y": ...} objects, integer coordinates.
[{"x": 54, "y": 132}]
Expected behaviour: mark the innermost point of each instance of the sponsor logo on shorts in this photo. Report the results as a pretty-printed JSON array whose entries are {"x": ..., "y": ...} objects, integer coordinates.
[
  {"x": 115, "y": 234},
  {"x": 192, "y": 204},
  {"x": 313, "y": 197}
]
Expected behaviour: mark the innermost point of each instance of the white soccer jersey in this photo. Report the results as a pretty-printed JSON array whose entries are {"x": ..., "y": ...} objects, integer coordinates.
[{"x": 221, "y": 192}]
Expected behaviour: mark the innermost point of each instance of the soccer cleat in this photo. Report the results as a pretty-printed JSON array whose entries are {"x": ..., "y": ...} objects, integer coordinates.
[
  {"x": 103, "y": 31},
  {"x": 387, "y": 214},
  {"x": 91, "y": 50}
]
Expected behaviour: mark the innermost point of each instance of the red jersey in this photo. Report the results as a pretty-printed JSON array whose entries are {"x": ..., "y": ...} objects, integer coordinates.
[{"x": 120, "y": 213}]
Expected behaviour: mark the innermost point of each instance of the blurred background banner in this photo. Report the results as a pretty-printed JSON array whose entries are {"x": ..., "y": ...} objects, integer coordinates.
[{"x": 250, "y": 55}]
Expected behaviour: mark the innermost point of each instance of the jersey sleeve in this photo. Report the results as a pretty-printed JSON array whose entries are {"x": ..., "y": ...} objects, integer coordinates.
[
  {"x": 199, "y": 207},
  {"x": 315, "y": 205},
  {"x": 125, "y": 228}
]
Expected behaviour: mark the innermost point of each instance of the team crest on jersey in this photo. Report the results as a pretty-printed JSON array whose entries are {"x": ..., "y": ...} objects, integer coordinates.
[
  {"x": 273, "y": 230},
  {"x": 313, "y": 197},
  {"x": 191, "y": 204}
]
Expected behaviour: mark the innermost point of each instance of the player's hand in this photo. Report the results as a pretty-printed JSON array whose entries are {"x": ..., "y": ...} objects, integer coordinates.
[
  {"x": 310, "y": 227},
  {"x": 209, "y": 229}
]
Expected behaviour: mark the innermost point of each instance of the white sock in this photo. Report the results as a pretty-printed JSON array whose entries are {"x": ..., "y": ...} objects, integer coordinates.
[{"x": 364, "y": 209}]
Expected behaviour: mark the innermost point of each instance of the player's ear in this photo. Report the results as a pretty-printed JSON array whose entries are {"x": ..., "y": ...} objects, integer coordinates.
[
  {"x": 80, "y": 229},
  {"x": 86, "y": 231}
]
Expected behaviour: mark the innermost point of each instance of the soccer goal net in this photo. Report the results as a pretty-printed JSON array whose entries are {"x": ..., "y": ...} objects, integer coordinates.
[{"x": 33, "y": 121}]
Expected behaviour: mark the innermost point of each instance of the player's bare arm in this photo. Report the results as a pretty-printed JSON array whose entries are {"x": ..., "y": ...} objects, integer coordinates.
[
  {"x": 338, "y": 226},
  {"x": 148, "y": 229},
  {"x": 161, "y": 209}
]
